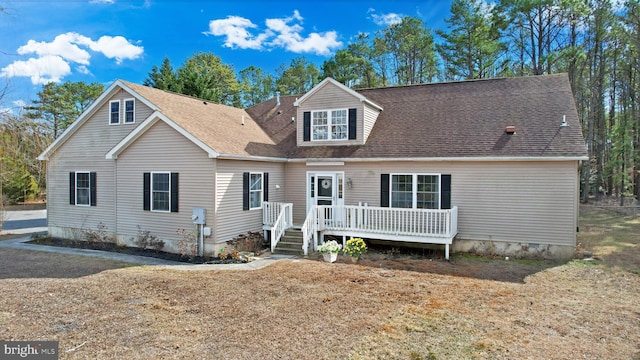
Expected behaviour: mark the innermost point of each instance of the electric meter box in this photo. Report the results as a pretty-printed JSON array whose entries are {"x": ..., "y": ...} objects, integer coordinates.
[{"x": 198, "y": 216}]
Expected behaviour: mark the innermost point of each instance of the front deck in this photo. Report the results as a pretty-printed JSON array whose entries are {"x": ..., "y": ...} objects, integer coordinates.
[{"x": 425, "y": 226}]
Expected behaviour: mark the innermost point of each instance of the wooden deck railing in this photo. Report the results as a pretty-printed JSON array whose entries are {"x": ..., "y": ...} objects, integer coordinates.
[
  {"x": 278, "y": 217},
  {"x": 390, "y": 221},
  {"x": 415, "y": 225}
]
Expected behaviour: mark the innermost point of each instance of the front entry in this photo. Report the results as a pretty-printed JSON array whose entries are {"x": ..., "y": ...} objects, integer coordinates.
[{"x": 325, "y": 188}]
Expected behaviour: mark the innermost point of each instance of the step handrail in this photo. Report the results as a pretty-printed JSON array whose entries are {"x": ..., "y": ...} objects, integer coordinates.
[
  {"x": 309, "y": 229},
  {"x": 282, "y": 223}
]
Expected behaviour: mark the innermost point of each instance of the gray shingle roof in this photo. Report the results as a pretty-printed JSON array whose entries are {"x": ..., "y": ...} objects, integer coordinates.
[{"x": 454, "y": 119}]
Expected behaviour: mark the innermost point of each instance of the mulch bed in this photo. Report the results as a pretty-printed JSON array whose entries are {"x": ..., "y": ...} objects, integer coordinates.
[{"x": 112, "y": 247}]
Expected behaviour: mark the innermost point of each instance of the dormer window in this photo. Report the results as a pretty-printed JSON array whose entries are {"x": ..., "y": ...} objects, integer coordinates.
[{"x": 329, "y": 125}]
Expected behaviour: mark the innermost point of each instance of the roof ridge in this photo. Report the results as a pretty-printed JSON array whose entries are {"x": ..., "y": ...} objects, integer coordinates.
[
  {"x": 461, "y": 81},
  {"x": 173, "y": 93}
]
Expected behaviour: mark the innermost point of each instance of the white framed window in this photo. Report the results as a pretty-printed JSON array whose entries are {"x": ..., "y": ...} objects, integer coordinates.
[
  {"x": 161, "y": 191},
  {"x": 255, "y": 190},
  {"x": 329, "y": 125},
  {"x": 114, "y": 112},
  {"x": 83, "y": 188},
  {"x": 129, "y": 111},
  {"x": 415, "y": 191}
]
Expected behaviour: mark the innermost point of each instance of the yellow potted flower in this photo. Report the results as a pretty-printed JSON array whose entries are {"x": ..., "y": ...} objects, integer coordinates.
[{"x": 355, "y": 248}]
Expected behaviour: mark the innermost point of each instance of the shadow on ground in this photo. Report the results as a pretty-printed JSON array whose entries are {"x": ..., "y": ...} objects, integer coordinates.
[
  {"x": 463, "y": 265},
  {"x": 20, "y": 264}
]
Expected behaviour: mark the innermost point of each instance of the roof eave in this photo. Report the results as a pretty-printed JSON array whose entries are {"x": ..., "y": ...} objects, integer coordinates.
[{"x": 459, "y": 158}]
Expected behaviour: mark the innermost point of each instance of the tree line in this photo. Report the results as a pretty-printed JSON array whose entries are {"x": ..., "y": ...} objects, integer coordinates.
[{"x": 596, "y": 43}]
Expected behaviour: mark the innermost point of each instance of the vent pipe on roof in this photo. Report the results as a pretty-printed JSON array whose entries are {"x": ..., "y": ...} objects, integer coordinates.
[
  {"x": 242, "y": 120},
  {"x": 564, "y": 121},
  {"x": 277, "y": 98},
  {"x": 510, "y": 129}
]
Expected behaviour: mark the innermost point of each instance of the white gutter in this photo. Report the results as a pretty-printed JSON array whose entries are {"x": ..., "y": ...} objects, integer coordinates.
[
  {"x": 487, "y": 158},
  {"x": 250, "y": 158}
]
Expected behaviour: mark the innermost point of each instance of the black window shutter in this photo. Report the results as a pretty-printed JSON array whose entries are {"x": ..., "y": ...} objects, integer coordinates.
[
  {"x": 245, "y": 191},
  {"x": 352, "y": 124},
  {"x": 72, "y": 188},
  {"x": 445, "y": 196},
  {"x": 175, "y": 189},
  {"x": 265, "y": 183},
  {"x": 92, "y": 188},
  {"x": 306, "y": 126},
  {"x": 384, "y": 190},
  {"x": 147, "y": 191}
]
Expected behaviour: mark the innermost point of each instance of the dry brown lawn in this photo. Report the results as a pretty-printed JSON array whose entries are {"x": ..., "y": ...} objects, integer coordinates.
[{"x": 383, "y": 308}]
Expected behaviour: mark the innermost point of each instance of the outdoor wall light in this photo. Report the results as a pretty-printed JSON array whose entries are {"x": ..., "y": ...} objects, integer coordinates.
[{"x": 349, "y": 183}]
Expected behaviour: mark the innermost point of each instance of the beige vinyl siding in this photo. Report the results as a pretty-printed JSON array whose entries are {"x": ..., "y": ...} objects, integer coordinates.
[
  {"x": 370, "y": 116},
  {"x": 162, "y": 149},
  {"x": 531, "y": 202},
  {"x": 85, "y": 150},
  {"x": 231, "y": 219},
  {"x": 330, "y": 97}
]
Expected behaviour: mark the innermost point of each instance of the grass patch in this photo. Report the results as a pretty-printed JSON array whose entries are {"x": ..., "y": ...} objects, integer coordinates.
[{"x": 612, "y": 237}]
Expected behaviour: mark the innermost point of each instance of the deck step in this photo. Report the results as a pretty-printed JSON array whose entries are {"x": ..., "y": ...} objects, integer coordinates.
[{"x": 290, "y": 243}]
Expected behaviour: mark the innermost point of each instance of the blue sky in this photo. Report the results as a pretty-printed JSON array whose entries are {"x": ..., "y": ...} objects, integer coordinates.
[{"x": 104, "y": 40}]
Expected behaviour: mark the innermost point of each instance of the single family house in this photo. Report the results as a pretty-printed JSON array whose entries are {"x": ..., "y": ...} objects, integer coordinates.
[{"x": 483, "y": 165}]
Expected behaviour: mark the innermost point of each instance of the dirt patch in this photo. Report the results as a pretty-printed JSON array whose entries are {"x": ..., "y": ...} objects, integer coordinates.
[{"x": 35, "y": 264}]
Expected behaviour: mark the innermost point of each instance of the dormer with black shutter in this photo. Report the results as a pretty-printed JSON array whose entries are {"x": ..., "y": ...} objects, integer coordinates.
[{"x": 333, "y": 114}]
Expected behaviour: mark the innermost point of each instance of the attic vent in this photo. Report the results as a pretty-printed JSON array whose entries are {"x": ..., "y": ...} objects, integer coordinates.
[{"x": 510, "y": 130}]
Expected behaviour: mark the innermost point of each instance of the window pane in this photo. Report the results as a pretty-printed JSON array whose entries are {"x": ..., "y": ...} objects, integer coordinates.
[
  {"x": 82, "y": 197},
  {"x": 128, "y": 108},
  {"x": 160, "y": 192},
  {"x": 428, "y": 192},
  {"x": 254, "y": 199},
  {"x": 339, "y": 117},
  {"x": 402, "y": 191},
  {"x": 339, "y": 132},
  {"x": 82, "y": 180},
  {"x": 320, "y": 133},
  {"x": 161, "y": 201},
  {"x": 82, "y": 189},
  {"x": 320, "y": 118},
  {"x": 256, "y": 182},
  {"x": 115, "y": 112},
  {"x": 160, "y": 182}
]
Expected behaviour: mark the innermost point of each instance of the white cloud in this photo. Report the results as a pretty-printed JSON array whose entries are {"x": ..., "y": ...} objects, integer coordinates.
[
  {"x": 385, "y": 19},
  {"x": 113, "y": 47},
  {"x": 237, "y": 35},
  {"x": 53, "y": 58},
  {"x": 280, "y": 32},
  {"x": 83, "y": 70},
  {"x": 63, "y": 45},
  {"x": 19, "y": 103},
  {"x": 49, "y": 68}
]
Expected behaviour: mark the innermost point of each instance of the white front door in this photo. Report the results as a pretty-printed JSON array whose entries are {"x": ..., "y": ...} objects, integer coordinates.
[{"x": 325, "y": 188}]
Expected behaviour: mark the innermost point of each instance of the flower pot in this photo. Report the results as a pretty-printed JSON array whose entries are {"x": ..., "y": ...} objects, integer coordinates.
[
  {"x": 330, "y": 257},
  {"x": 354, "y": 259}
]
